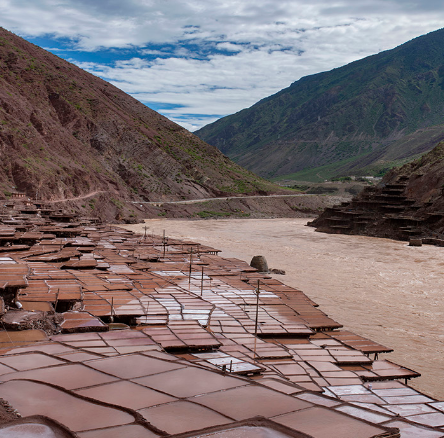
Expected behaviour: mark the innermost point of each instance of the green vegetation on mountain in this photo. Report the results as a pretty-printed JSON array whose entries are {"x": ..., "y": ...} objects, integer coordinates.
[{"x": 362, "y": 118}]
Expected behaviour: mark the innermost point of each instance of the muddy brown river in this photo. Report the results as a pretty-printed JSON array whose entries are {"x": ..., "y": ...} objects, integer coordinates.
[{"x": 378, "y": 288}]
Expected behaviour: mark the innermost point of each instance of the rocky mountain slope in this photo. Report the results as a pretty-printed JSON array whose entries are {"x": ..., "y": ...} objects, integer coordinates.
[
  {"x": 358, "y": 119},
  {"x": 408, "y": 205},
  {"x": 66, "y": 134}
]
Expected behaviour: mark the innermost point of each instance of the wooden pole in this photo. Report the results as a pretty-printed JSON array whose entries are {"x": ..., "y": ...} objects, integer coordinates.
[
  {"x": 257, "y": 308},
  {"x": 201, "y": 282},
  {"x": 112, "y": 310},
  {"x": 57, "y": 299},
  {"x": 191, "y": 262},
  {"x": 164, "y": 243}
]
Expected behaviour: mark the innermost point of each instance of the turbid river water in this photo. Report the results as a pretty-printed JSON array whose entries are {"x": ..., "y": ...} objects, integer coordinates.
[{"x": 378, "y": 288}]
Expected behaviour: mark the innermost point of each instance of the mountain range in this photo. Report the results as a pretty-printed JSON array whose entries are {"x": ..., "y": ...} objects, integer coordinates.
[
  {"x": 359, "y": 119},
  {"x": 68, "y": 135}
]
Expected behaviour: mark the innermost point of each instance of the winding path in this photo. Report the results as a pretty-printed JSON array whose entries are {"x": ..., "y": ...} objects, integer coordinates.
[
  {"x": 224, "y": 198},
  {"x": 88, "y": 195}
]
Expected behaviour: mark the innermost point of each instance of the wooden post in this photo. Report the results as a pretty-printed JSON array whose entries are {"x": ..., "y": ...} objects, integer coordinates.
[
  {"x": 57, "y": 299},
  {"x": 257, "y": 308},
  {"x": 201, "y": 282},
  {"x": 191, "y": 262},
  {"x": 112, "y": 310},
  {"x": 164, "y": 240}
]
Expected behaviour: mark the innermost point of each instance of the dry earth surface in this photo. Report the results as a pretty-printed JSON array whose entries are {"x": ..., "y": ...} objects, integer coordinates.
[{"x": 379, "y": 288}]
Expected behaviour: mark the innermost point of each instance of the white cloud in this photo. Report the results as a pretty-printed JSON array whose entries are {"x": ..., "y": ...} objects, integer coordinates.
[
  {"x": 238, "y": 51},
  {"x": 229, "y": 47}
]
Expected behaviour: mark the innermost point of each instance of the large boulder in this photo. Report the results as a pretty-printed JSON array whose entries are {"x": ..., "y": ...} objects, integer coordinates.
[{"x": 260, "y": 263}]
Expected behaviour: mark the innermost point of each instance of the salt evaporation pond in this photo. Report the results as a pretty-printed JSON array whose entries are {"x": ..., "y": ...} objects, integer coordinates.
[{"x": 378, "y": 288}]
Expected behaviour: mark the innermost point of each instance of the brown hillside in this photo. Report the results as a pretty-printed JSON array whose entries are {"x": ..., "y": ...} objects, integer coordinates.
[
  {"x": 407, "y": 205},
  {"x": 65, "y": 133}
]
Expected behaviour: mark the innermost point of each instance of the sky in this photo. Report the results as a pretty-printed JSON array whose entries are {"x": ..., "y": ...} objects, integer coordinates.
[{"x": 195, "y": 61}]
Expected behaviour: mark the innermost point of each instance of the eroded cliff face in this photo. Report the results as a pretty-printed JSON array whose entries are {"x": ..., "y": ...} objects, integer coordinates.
[
  {"x": 408, "y": 205},
  {"x": 65, "y": 133}
]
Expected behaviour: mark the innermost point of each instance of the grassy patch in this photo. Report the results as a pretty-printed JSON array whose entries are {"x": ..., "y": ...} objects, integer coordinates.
[
  {"x": 208, "y": 213},
  {"x": 117, "y": 203}
]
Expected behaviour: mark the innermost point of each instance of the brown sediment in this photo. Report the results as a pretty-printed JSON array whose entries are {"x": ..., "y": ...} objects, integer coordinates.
[{"x": 7, "y": 412}]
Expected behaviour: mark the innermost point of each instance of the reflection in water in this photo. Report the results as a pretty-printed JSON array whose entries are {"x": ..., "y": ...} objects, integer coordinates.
[{"x": 378, "y": 288}]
